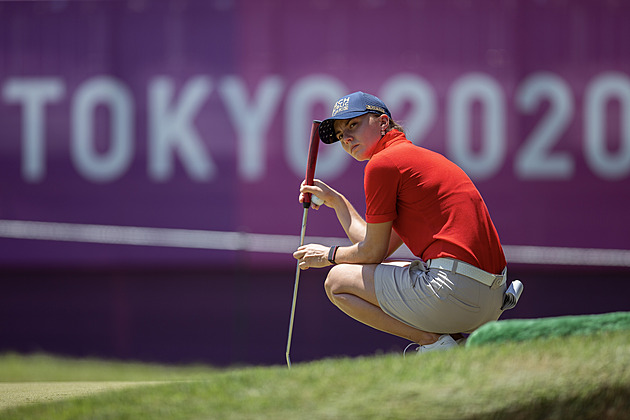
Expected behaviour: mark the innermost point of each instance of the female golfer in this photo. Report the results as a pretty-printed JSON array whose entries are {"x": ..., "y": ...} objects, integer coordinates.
[{"x": 417, "y": 197}]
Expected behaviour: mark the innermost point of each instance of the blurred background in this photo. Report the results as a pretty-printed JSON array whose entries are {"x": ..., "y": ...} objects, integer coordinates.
[{"x": 151, "y": 154}]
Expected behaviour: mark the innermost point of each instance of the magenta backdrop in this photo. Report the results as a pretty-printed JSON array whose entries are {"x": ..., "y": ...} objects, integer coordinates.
[{"x": 196, "y": 114}]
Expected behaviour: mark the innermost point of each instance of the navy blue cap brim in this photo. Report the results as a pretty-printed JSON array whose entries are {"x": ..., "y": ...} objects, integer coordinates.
[{"x": 327, "y": 127}]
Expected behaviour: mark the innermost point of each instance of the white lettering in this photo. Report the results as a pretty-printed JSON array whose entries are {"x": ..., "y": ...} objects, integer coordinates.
[
  {"x": 116, "y": 97},
  {"x": 172, "y": 130},
  {"x": 463, "y": 94},
  {"x": 33, "y": 94},
  {"x": 603, "y": 89},
  {"x": 251, "y": 121},
  {"x": 535, "y": 159},
  {"x": 180, "y": 124}
]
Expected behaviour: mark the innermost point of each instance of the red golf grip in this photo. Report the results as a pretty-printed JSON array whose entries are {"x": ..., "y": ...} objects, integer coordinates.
[{"x": 313, "y": 147}]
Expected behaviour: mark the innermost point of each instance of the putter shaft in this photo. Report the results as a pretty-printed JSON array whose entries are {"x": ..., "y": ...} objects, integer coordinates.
[{"x": 295, "y": 289}]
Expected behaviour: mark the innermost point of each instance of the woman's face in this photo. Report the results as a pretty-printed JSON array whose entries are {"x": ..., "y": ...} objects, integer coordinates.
[{"x": 359, "y": 136}]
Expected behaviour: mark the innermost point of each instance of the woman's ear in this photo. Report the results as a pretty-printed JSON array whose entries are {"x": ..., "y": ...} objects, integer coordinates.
[{"x": 384, "y": 123}]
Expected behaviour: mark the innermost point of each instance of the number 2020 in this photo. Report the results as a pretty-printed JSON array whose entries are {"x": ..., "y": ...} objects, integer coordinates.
[{"x": 535, "y": 157}]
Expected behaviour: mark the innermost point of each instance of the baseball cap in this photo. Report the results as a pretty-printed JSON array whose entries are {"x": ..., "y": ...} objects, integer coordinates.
[{"x": 350, "y": 106}]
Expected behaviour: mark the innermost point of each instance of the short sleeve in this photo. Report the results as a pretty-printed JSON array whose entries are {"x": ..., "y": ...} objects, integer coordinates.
[{"x": 381, "y": 182}]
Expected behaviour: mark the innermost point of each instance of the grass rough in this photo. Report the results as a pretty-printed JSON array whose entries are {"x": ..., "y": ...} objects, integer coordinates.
[{"x": 574, "y": 377}]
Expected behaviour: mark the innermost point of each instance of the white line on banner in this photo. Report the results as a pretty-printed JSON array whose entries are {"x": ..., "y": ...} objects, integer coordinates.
[{"x": 257, "y": 242}]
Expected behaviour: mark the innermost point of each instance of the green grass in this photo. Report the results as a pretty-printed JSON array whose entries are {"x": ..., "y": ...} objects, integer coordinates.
[
  {"x": 561, "y": 326},
  {"x": 574, "y": 377}
]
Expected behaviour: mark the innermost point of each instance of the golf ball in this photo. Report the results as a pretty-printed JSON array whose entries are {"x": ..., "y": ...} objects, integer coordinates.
[{"x": 316, "y": 200}]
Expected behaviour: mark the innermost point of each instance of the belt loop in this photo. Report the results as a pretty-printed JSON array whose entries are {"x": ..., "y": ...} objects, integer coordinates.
[
  {"x": 500, "y": 279},
  {"x": 415, "y": 268}
]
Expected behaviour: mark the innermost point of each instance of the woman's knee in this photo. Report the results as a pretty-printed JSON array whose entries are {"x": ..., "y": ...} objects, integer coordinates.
[
  {"x": 332, "y": 282},
  {"x": 348, "y": 278},
  {"x": 351, "y": 279}
]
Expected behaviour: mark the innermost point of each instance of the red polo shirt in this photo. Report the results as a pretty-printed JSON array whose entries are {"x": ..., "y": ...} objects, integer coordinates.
[{"x": 434, "y": 206}]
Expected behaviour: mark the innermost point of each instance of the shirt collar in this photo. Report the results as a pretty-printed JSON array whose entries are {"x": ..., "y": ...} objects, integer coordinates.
[{"x": 392, "y": 136}]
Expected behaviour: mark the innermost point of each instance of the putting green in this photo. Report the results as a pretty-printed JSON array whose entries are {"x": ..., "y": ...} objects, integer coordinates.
[{"x": 13, "y": 394}]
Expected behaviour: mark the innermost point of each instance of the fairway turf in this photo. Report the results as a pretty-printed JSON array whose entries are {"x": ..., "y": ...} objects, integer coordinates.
[{"x": 576, "y": 377}]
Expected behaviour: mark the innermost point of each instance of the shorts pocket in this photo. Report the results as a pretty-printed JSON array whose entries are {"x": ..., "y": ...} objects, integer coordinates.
[{"x": 463, "y": 304}]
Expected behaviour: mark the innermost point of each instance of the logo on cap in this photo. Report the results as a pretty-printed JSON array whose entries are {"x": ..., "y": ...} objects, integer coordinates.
[
  {"x": 375, "y": 108},
  {"x": 341, "y": 105}
]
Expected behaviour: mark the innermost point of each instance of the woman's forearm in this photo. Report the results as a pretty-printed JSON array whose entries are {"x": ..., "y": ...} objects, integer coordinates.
[{"x": 352, "y": 223}]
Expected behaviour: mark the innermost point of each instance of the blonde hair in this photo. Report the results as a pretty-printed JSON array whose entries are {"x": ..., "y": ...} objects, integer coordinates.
[{"x": 393, "y": 125}]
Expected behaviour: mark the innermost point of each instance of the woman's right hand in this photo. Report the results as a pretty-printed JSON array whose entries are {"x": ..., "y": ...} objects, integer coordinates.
[{"x": 321, "y": 190}]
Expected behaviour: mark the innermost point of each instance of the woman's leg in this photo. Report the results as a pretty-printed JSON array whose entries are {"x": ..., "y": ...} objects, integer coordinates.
[{"x": 351, "y": 288}]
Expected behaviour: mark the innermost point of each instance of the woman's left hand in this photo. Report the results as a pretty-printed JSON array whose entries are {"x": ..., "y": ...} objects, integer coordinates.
[{"x": 312, "y": 255}]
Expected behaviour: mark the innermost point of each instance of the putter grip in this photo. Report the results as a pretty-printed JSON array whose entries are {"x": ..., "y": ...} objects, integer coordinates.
[{"x": 313, "y": 148}]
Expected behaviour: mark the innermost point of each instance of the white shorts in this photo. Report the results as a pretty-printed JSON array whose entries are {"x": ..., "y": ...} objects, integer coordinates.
[{"x": 435, "y": 300}]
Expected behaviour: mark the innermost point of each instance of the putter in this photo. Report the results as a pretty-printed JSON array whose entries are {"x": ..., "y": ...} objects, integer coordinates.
[{"x": 310, "y": 174}]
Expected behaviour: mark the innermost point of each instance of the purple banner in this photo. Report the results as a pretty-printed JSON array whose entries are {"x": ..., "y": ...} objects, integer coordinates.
[{"x": 194, "y": 116}]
